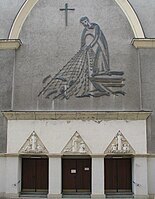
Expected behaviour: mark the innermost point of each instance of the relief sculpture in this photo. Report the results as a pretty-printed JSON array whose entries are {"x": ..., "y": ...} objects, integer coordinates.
[
  {"x": 33, "y": 145},
  {"x": 76, "y": 145},
  {"x": 119, "y": 145},
  {"x": 88, "y": 72}
]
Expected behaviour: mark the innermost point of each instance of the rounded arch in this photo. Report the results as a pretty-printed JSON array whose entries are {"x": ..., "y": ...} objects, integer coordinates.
[
  {"x": 21, "y": 17},
  {"x": 132, "y": 18},
  {"x": 123, "y": 4}
]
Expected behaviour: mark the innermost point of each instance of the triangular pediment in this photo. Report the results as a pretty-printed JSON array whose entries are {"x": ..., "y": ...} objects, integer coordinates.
[
  {"x": 33, "y": 145},
  {"x": 76, "y": 145},
  {"x": 119, "y": 145}
]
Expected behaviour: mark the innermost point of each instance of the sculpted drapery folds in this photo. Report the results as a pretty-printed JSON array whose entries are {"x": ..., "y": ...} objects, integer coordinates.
[{"x": 98, "y": 42}]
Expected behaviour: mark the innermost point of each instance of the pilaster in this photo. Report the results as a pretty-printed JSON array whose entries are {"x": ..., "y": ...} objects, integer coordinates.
[
  {"x": 54, "y": 177},
  {"x": 140, "y": 177},
  {"x": 98, "y": 177},
  {"x": 13, "y": 178}
]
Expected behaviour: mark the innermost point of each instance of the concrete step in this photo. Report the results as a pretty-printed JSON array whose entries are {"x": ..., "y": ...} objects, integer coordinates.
[
  {"x": 29, "y": 195},
  {"x": 109, "y": 196},
  {"x": 76, "y": 196}
]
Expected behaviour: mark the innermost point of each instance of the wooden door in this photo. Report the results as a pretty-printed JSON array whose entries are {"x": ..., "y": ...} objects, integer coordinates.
[
  {"x": 124, "y": 175},
  {"x": 83, "y": 178},
  {"x": 69, "y": 175},
  {"x": 118, "y": 175},
  {"x": 41, "y": 175},
  {"x": 34, "y": 174},
  {"x": 76, "y": 175},
  {"x": 28, "y": 175},
  {"x": 110, "y": 175}
]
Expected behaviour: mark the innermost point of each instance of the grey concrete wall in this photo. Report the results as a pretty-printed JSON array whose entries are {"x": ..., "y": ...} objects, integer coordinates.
[
  {"x": 8, "y": 11},
  {"x": 145, "y": 11},
  {"x": 7, "y": 61},
  {"x": 48, "y": 45},
  {"x": 147, "y": 61},
  {"x": 3, "y": 134}
]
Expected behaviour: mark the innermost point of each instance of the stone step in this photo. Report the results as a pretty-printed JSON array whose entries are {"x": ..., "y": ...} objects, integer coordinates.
[
  {"x": 30, "y": 197},
  {"x": 119, "y": 196},
  {"x": 69, "y": 196}
]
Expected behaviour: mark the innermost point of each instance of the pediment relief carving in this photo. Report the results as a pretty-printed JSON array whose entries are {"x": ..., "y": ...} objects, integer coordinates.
[
  {"x": 33, "y": 145},
  {"x": 76, "y": 145},
  {"x": 119, "y": 145}
]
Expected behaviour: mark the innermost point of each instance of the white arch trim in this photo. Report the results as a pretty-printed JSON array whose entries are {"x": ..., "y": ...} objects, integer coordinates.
[
  {"x": 21, "y": 17},
  {"x": 132, "y": 18},
  {"x": 29, "y": 4}
]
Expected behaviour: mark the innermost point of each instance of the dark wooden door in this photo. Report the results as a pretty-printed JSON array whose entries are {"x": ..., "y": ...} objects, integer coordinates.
[
  {"x": 110, "y": 175},
  {"x": 124, "y": 175},
  {"x": 76, "y": 175},
  {"x": 28, "y": 175},
  {"x": 34, "y": 174},
  {"x": 69, "y": 175},
  {"x": 41, "y": 175},
  {"x": 83, "y": 178},
  {"x": 118, "y": 175}
]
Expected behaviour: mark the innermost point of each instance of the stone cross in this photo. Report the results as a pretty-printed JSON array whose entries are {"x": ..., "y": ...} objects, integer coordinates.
[{"x": 66, "y": 9}]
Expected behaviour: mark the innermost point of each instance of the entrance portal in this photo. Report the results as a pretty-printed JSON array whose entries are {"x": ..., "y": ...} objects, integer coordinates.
[
  {"x": 76, "y": 174},
  {"x": 118, "y": 175},
  {"x": 35, "y": 175}
]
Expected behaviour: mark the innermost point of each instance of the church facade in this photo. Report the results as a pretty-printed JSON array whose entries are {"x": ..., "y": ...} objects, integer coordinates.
[{"x": 77, "y": 99}]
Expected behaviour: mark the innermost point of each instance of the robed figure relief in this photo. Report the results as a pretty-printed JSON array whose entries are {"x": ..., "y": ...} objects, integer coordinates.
[{"x": 88, "y": 71}]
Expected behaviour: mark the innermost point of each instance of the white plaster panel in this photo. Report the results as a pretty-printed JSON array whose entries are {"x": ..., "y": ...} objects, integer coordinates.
[
  {"x": 12, "y": 175},
  {"x": 55, "y": 176},
  {"x": 140, "y": 182},
  {"x": 2, "y": 174},
  {"x": 151, "y": 176},
  {"x": 97, "y": 176},
  {"x": 55, "y": 134}
]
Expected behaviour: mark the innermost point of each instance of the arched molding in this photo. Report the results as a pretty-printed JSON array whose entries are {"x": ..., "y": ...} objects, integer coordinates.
[
  {"x": 132, "y": 18},
  {"x": 29, "y": 4},
  {"x": 21, "y": 17},
  {"x": 139, "y": 40}
]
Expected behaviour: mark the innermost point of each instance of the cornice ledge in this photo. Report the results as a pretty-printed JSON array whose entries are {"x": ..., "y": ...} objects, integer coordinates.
[
  {"x": 10, "y": 44},
  {"x": 9, "y": 155},
  {"x": 143, "y": 42},
  {"x": 59, "y": 155},
  {"x": 77, "y": 115},
  {"x": 54, "y": 155}
]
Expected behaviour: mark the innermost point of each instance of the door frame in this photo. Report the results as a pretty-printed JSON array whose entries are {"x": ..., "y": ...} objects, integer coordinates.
[
  {"x": 131, "y": 173},
  {"x": 34, "y": 157},
  {"x": 77, "y": 157}
]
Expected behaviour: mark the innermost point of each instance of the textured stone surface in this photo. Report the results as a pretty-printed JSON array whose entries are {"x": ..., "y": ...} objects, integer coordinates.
[
  {"x": 3, "y": 134},
  {"x": 6, "y": 74},
  {"x": 8, "y": 11},
  {"x": 49, "y": 45},
  {"x": 146, "y": 15},
  {"x": 147, "y": 59},
  {"x": 6, "y": 67}
]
